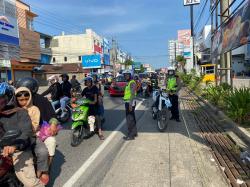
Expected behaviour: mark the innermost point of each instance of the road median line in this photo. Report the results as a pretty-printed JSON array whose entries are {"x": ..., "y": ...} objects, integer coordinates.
[{"x": 76, "y": 176}]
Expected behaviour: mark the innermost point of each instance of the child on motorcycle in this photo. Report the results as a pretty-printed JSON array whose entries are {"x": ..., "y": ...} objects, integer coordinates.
[{"x": 24, "y": 100}]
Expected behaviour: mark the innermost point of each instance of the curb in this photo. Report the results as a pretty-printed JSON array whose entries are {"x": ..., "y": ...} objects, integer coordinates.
[{"x": 239, "y": 131}]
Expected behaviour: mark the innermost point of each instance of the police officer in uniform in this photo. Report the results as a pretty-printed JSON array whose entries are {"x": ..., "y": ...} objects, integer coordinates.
[
  {"x": 129, "y": 98},
  {"x": 173, "y": 88}
]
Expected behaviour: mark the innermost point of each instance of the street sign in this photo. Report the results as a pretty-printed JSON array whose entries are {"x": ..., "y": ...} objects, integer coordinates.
[{"x": 191, "y": 2}]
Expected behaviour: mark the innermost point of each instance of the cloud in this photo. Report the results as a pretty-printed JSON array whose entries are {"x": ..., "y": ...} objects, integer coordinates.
[
  {"x": 104, "y": 11},
  {"x": 121, "y": 28}
]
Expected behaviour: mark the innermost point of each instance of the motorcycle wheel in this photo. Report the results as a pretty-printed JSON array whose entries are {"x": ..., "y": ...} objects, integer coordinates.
[
  {"x": 162, "y": 120},
  {"x": 77, "y": 136}
]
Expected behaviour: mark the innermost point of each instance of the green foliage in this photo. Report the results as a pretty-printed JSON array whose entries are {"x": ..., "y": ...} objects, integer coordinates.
[
  {"x": 128, "y": 62},
  {"x": 238, "y": 104}
]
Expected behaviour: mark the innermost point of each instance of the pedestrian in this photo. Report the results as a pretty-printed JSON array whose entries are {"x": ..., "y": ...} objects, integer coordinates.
[
  {"x": 130, "y": 103},
  {"x": 173, "y": 86}
]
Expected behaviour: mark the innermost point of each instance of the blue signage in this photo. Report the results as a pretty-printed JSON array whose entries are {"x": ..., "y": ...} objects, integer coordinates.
[
  {"x": 45, "y": 59},
  {"x": 106, "y": 59},
  {"x": 91, "y": 61}
]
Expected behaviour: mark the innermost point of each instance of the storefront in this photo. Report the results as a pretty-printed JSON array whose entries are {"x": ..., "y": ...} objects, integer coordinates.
[
  {"x": 20, "y": 70},
  {"x": 5, "y": 70}
]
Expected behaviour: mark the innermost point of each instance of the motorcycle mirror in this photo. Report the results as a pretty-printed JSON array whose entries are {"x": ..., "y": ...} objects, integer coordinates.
[{"x": 10, "y": 135}]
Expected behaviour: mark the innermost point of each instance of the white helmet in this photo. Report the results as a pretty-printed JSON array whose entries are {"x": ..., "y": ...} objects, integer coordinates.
[{"x": 54, "y": 78}]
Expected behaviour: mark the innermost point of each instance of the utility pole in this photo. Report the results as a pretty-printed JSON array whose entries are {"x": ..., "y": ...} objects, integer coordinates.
[
  {"x": 114, "y": 55},
  {"x": 225, "y": 59},
  {"x": 192, "y": 34}
]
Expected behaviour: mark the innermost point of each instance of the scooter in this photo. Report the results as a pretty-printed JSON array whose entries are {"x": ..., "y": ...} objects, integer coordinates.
[
  {"x": 161, "y": 109},
  {"x": 7, "y": 173},
  {"x": 80, "y": 127}
]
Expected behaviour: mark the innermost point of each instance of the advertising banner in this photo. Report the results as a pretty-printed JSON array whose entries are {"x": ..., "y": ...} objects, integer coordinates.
[
  {"x": 234, "y": 33},
  {"x": 91, "y": 61},
  {"x": 137, "y": 65},
  {"x": 106, "y": 45},
  {"x": 9, "y": 40},
  {"x": 184, "y": 37},
  {"x": 106, "y": 59}
]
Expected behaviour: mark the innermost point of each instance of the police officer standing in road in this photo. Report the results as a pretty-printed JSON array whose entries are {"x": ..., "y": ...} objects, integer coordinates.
[
  {"x": 173, "y": 88},
  {"x": 129, "y": 98}
]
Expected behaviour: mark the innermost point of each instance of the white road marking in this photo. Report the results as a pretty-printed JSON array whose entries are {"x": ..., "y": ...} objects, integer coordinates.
[{"x": 97, "y": 152}]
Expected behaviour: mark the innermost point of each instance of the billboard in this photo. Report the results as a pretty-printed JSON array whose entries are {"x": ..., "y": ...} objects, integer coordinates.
[
  {"x": 234, "y": 33},
  {"x": 91, "y": 61},
  {"x": 9, "y": 40},
  {"x": 137, "y": 65},
  {"x": 106, "y": 59},
  {"x": 184, "y": 37},
  {"x": 191, "y": 2}
]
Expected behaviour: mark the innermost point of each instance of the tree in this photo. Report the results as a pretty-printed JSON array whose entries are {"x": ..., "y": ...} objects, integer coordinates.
[
  {"x": 128, "y": 62},
  {"x": 181, "y": 61}
]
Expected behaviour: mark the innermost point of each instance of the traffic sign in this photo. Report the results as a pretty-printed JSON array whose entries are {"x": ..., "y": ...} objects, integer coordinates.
[{"x": 191, "y": 2}]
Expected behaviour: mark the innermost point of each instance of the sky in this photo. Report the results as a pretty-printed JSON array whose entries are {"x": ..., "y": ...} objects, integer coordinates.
[{"x": 141, "y": 27}]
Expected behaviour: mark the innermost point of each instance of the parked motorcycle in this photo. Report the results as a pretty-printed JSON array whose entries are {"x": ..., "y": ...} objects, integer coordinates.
[
  {"x": 161, "y": 109},
  {"x": 7, "y": 173},
  {"x": 80, "y": 127}
]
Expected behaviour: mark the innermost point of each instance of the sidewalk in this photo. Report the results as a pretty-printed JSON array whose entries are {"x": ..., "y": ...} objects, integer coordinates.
[{"x": 157, "y": 159}]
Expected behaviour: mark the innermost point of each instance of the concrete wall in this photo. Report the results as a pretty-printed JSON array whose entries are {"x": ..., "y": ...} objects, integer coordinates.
[
  {"x": 73, "y": 46},
  {"x": 240, "y": 83}
]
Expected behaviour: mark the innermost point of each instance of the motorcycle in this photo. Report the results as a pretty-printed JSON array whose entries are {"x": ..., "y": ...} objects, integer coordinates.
[
  {"x": 80, "y": 127},
  {"x": 160, "y": 109},
  {"x": 7, "y": 173}
]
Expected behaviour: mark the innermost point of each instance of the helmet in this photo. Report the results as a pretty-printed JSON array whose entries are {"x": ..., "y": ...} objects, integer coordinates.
[
  {"x": 6, "y": 91},
  {"x": 65, "y": 76},
  {"x": 29, "y": 83},
  {"x": 88, "y": 79},
  {"x": 171, "y": 71},
  {"x": 136, "y": 77},
  {"x": 53, "y": 78}
]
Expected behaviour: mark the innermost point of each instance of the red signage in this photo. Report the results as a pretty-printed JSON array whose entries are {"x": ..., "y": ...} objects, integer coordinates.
[{"x": 97, "y": 49}]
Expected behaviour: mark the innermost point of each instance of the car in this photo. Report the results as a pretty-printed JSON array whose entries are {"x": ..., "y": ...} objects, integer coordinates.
[{"x": 117, "y": 87}]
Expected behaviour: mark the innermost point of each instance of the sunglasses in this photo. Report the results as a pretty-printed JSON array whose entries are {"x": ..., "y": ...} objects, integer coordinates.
[{"x": 20, "y": 94}]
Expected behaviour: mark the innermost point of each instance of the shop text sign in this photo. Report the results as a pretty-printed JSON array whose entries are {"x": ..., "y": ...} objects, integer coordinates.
[{"x": 191, "y": 2}]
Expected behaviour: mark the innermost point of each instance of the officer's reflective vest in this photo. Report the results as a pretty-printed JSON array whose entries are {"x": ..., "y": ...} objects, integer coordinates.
[
  {"x": 127, "y": 93},
  {"x": 172, "y": 84}
]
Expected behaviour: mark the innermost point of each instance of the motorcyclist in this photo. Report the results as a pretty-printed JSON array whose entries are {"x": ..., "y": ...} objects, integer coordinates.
[
  {"x": 75, "y": 84},
  {"x": 91, "y": 92},
  {"x": 100, "y": 96},
  {"x": 66, "y": 92},
  {"x": 14, "y": 118},
  {"x": 55, "y": 90},
  {"x": 47, "y": 112},
  {"x": 45, "y": 107},
  {"x": 173, "y": 86}
]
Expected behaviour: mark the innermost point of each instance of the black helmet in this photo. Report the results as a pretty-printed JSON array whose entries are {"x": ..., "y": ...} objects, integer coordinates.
[
  {"x": 29, "y": 83},
  {"x": 65, "y": 76}
]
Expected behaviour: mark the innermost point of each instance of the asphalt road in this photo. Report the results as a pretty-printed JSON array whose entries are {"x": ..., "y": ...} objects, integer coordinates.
[{"x": 68, "y": 159}]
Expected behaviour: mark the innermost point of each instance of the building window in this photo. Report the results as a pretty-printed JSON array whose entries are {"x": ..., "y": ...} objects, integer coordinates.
[
  {"x": 30, "y": 24},
  {"x": 79, "y": 58},
  {"x": 65, "y": 59},
  {"x": 54, "y": 59}
]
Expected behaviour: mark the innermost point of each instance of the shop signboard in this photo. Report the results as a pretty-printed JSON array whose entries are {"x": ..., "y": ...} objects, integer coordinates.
[
  {"x": 234, "y": 33},
  {"x": 9, "y": 39},
  {"x": 106, "y": 59},
  {"x": 191, "y": 2},
  {"x": 137, "y": 65},
  {"x": 91, "y": 61},
  {"x": 184, "y": 37}
]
